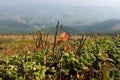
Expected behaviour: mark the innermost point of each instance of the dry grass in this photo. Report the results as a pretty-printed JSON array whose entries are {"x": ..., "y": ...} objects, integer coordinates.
[
  {"x": 14, "y": 44},
  {"x": 16, "y": 37}
]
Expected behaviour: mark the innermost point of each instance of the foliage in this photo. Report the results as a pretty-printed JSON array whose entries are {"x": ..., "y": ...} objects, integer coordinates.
[{"x": 83, "y": 59}]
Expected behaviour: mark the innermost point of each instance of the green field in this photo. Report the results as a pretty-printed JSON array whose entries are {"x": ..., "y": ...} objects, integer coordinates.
[{"x": 44, "y": 57}]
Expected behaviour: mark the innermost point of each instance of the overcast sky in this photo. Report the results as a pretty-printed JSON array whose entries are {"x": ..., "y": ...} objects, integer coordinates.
[{"x": 103, "y": 3}]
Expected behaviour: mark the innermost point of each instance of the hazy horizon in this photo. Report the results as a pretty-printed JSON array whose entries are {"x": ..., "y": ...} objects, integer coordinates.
[
  {"x": 80, "y": 14},
  {"x": 68, "y": 11},
  {"x": 95, "y": 3}
]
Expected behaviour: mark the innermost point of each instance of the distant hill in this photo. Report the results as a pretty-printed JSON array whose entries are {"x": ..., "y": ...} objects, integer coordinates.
[
  {"x": 17, "y": 26},
  {"x": 105, "y": 26},
  {"x": 69, "y": 30},
  {"x": 13, "y": 26},
  {"x": 75, "y": 19}
]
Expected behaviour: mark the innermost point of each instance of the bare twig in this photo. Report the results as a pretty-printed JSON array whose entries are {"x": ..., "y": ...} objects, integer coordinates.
[
  {"x": 82, "y": 42},
  {"x": 55, "y": 37}
]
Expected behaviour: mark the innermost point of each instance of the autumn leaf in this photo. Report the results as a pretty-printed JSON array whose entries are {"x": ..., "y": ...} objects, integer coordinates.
[
  {"x": 63, "y": 37},
  {"x": 65, "y": 47}
]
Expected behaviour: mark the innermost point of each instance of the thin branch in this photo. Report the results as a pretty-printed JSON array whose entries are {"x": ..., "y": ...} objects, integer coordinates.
[{"x": 55, "y": 37}]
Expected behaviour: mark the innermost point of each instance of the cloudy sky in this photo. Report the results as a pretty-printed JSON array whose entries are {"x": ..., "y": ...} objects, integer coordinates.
[
  {"x": 103, "y": 9},
  {"x": 109, "y": 3}
]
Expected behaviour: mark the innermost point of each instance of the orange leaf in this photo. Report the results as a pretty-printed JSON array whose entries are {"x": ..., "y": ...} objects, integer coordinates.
[
  {"x": 64, "y": 34},
  {"x": 65, "y": 47},
  {"x": 59, "y": 41},
  {"x": 63, "y": 37},
  {"x": 36, "y": 49}
]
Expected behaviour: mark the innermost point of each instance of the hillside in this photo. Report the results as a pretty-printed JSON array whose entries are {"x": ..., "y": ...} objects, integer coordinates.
[
  {"x": 69, "y": 30},
  {"x": 20, "y": 26},
  {"x": 105, "y": 26},
  {"x": 13, "y": 26}
]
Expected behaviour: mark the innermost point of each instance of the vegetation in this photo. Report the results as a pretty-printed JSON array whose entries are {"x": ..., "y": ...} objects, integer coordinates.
[
  {"x": 24, "y": 26},
  {"x": 88, "y": 57}
]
